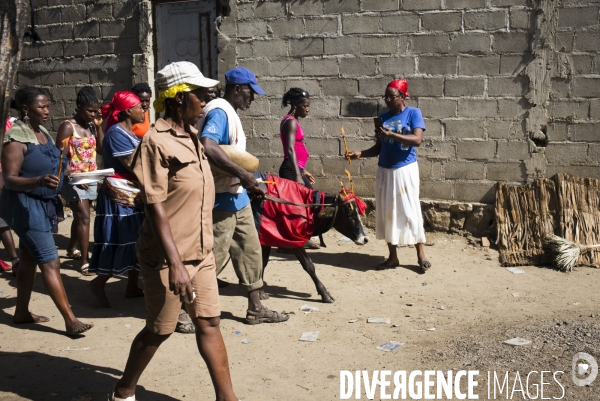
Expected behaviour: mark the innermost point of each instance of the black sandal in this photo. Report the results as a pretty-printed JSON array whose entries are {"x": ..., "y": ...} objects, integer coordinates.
[{"x": 424, "y": 265}]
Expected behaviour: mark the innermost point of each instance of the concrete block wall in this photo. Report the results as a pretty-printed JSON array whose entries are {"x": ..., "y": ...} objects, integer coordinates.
[
  {"x": 465, "y": 61},
  {"x": 99, "y": 43}
]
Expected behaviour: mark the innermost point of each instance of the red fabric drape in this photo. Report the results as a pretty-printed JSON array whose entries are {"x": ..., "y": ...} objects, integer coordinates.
[
  {"x": 401, "y": 85},
  {"x": 121, "y": 101}
]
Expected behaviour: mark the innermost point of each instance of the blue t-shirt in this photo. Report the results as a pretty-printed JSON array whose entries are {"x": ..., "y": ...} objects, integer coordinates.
[
  {"x": 394, "y": 154},
  {"x": 118, "y": 143},
  {"x": 217, "y": 129}
]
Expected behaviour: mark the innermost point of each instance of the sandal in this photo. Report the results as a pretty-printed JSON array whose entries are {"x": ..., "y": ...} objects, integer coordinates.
[
  {"x": 265, "y": 315},
  {"x": 85, "y": 270},
  {"x": 424, "y": 265},
  {"x": 184, "y": 323},
  {"x": 385, "y": 266},
  {"x": 112, "y": 397},
  {"x": 74, "y": 254}
]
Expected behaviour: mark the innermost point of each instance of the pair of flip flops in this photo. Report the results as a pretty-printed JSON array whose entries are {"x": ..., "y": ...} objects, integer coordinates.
[
  {"x": 423, "y": 264},
  {"x": 113, "y": 397}
]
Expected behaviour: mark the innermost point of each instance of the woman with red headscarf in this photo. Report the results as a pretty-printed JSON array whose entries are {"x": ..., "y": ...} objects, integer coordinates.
[
  {"x": 117, "y": 219},
  {"x": 398, "y": 213}
]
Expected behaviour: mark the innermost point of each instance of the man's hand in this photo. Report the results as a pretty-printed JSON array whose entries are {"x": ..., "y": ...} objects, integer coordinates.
[
  {"x": 249, "y": 182},
  {"x": 354, "y": 154},
  {"x": 179, "y": 282}
]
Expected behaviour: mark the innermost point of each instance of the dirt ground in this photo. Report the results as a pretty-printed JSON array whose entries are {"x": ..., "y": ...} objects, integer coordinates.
[{"x": 472, "y": 302}]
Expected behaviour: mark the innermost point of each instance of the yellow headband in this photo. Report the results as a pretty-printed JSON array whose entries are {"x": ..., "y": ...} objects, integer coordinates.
[{"x": 169, "y": 93}]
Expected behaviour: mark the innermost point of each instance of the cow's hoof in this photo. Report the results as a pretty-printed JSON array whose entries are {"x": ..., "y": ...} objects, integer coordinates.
[
  {"x": 263, "y": 295},
  {"x": 326, "y": 298}
]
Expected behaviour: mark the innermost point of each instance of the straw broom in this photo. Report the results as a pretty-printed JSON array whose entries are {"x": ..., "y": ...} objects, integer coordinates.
[{"x": 565, "y": 253}]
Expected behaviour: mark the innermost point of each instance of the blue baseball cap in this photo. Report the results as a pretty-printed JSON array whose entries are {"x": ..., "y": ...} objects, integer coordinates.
[{"x": 243, "y": 76}]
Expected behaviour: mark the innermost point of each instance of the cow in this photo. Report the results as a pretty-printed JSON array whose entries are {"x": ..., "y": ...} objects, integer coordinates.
[{"x": 341, "y": 212}]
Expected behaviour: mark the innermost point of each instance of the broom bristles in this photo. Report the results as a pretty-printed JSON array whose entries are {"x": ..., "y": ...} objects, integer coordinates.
[{"x": 564, "y": 253}]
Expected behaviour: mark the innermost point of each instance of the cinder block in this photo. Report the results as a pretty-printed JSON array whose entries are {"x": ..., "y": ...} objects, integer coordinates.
[
  {"x": 483, "y": 192},
  {"x": 460, "y": 129},
  {"x": 577, "y": 17},
  {"x": 581, "y": 171},
  {"x": 595, "y": 109},
  {"x": 520, "y": 19},
  {"x": 561, "y": 88},
  {"x": 286, "y": 27},
  {"x": 557, "y": 132},
  {"x": 582, "y": 64},
  {"x": 306, "y": 47},
  {"x": 588, "y": 41},
  {"x": 470, "y": 43},
  {"x": 586, "y": 87},
  {"x": 97, "y": 47},
  {"x": 499, "y": 129},
  {"x": 108, "y": 76},
  {"x": 485, "y": 20},
  {"x": 111, "y": 28},
  {"x": 510, "y": 42},
  {"x": 269, "y": 9},
  {"x": 513, "y": 150},
  {"x": 29, "y": 52},
  {"x": 505, "y": 3},
  {"x": 258, "y": 146},
  {"x": 421, "y": 5},
  {"x": 73, "y": 13},
  {"x": 306, "y": 8},
  {"x": 565, "y": 41},
  {"x": 271, "y": 48},
  {"x": 509, "y": 64},
  {"x": 340, "y": 87},
  {"x": 78, "y": 48},
  {"x": 379, "y": 45},
  {"x": 270, "y": 164},
  {"x": 262, "y": 67},
  {"x": 342, "y": 6},
  {"x": 594, "y": 153},
  {"x": 358, "y": 66},
  {"x": 565, "y": 154},
  {"x": 341, "y": 45},
  {"x": 464, "y": 87},
  {"x": 321, "y": 108},
  {"x": 479, "y": 65},
  {"x": 464, "y": 170},
  {"x": 464, "y": 4},
  {"x": 122, "y": 9},
  {"x": 360, "y": 24},
  {"x": 284, "y": 68},
  {"x": 574, "y": 109},
  {"x": 380, "y": 5},
  {"x": 310, "y": 85},
  {"x": 244, "y": 49},
  {"x": 425, "y": 167},
  {"x": 397, "y": 66},
  {"x": 437, "y": 149},
  {"x": 25, "y": 78},
  {"x": 258, "y": 108},
  {"x": 430, "y": 44},
  {"x": 265, "y": 128},
  {"x": 400, "y": 23},
  {"x": 513, "y": 172},
  {"x": 336, "y": 166},
  {"x": 359, "y": 107},
  {"x": 53, "y": 78},
  {"x": 98, "y": 10},
  {"x": 585, "y": 133},
  {"x": 57, "y": 32},
  {"x": 321, "y": 67},
  {"x": 477, "y": 108},
  {"x": 480, "y": 150},
  {"x": 437, "y": 108},
  {"x": 433, "y": 128},
  {"x": 372, "y": 87},
  {"x": 251, "y": 29},
  {"x": 368, "y": 167},
  {"x": 322, "y": 26},
  {"x": 47, "y": 50},
  {"x": 128, "y": 45},
  {"x": 513, "y": 86},
  {"x": 435, "y": 65},
  {"x": 512, "y": 108},
  {"x": 325, "y": 146},
  {"x": 332, "y": 128},
  {"x": 435, "y": 190},
  {"x": 443, "y": 21},
  {"x": 425, "y": 87}
]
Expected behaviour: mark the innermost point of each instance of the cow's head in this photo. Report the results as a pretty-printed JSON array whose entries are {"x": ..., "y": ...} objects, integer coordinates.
[{"x": 344, "y": 216}]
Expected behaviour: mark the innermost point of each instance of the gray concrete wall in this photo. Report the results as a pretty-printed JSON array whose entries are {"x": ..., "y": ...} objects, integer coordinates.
[{"x": 510, "y": 89}]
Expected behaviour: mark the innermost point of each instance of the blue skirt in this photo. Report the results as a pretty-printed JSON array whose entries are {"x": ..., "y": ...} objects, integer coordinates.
[{"x": 115, "y": 233}]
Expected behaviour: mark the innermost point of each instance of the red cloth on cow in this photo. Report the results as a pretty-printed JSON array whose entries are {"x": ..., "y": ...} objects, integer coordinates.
[{"x": 287, "y": 226}]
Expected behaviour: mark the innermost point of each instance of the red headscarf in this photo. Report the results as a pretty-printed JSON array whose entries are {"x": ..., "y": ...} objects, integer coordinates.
[
  {"x": 401, "y": 86},
  {"x": 121, "y": 101}
]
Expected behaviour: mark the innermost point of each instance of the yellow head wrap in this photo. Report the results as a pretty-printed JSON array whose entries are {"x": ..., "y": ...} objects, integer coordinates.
[{"x": 169, "y": 93}]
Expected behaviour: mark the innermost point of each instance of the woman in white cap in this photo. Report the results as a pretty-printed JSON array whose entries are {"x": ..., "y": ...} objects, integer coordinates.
[{"x": 176, "y": 241}]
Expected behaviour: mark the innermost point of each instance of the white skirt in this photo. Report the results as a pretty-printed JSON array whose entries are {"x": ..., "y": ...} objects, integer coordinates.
[{"x": 398, "y": 211}]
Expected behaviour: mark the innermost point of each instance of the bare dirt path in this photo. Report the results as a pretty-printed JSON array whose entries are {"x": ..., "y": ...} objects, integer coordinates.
[{"x": 483, "y": 305}]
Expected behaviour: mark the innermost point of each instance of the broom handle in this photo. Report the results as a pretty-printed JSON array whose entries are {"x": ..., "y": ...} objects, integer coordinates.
[{"x": 587, "y": 248}]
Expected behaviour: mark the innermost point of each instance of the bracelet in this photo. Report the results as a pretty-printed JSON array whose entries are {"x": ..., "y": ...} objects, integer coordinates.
[{"x": 39, "y": 180}]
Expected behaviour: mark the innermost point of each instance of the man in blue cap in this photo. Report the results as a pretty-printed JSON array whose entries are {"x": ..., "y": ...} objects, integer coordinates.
[{"x": 235, "y": 234}]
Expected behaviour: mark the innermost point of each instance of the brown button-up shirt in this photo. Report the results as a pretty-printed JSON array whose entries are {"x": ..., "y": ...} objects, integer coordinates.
[{"x": 173, "y": 170}]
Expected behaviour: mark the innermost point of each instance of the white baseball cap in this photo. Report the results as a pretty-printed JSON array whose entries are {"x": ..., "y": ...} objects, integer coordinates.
[{"x": 182, "y": 72}]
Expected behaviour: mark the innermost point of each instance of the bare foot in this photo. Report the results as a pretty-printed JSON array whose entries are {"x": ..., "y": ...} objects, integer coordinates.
[
  {"x": 77, "y": 328},
  {"x": 29, "y": 318},
  {"x": 98, "y": 292},
  {"x": 134, "y": 293}
]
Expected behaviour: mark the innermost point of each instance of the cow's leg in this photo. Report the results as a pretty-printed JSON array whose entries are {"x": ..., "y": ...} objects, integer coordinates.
[
  {"x": 309, "y": 267},
  {"x": 266, "y": 253}
]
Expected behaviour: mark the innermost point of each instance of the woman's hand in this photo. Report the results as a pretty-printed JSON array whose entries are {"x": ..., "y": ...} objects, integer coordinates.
[
  {"x": 179, "y": 282},
  {"x": 353, "y": 154},
  {"x": 310, "y": 177},
  {"x": 49, "y": 181},
  {"x": 98, "y": 120},
  {"x": 384, "y": 132}
]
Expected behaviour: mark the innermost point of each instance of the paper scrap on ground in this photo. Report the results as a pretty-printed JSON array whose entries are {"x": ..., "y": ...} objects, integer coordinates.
[
  {"x": 245, "y": 341},
  {"x": 515, "y": 294},
  {"x": 515, "y": 270},
  {"x": 309, "y": 336},
  {"x": 517, "y": 341},
  {"x": 381, "y": 320},
  {"x": 353, "y": 321},
  {"x": 345, "y": 239},
  {"x": 441, "y": 307},
  {"x": 309, "y": 308},
  {"x": 390, "y": 346}
]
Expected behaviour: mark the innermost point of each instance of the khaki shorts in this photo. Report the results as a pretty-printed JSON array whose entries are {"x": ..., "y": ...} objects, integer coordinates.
[{"x": 163, "y": 306}]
